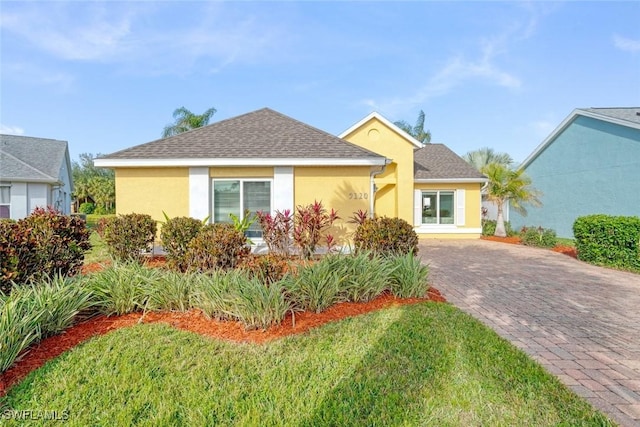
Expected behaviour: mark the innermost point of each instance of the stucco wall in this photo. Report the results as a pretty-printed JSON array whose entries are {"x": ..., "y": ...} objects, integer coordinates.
[
  {"x": 345, "y": 189},
  {"x": 395, "y": 198},
  {"x": 591, "y": 167},
  {"x": 152, "y": 191},
  {"x": 472, "y": 209}
]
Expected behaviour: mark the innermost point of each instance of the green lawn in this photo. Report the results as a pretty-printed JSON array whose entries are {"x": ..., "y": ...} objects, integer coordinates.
[
  {"x": 426, "y": 364},
  {"x": 98, "y": 251}
]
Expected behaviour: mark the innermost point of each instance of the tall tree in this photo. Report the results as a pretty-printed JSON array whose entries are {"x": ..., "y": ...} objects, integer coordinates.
[
  {"x": 479, "y": 159},
  {"x": 509, "y": 184},
  {"x": 92, "y": 183},
  {"x": 185, "y": 120},
  {"x": 416, "y": 131}
]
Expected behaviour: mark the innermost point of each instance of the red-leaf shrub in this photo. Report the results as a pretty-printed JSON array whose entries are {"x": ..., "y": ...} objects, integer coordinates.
[
  {"x": 311, "y": 222},
  {"x": 268, "y": 268},
  {"x": 216, "y": 246},
  {"x": 46, "y": 243},
  {"x": 276, "y": 231}
]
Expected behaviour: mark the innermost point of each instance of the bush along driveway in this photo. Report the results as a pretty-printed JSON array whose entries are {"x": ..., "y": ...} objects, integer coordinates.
[{"x": 581, "y": 322}]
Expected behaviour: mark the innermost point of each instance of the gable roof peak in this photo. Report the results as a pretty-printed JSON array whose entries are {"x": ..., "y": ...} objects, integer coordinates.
[{"x": 375, "y": 115}]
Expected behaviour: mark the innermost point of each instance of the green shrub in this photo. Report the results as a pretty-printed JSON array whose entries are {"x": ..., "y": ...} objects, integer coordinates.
[
  {"x": 43, "y": 244},
  {"x": 268, "y": 268},
  {"x": 87, "y": 208},
  {"x": 129, "y": 236},
  {"x": 233, "y": 295},
  {"x": 366, "y": 275},
  {"x": 317, "y": 286},
  {"x": 408, "y": 276},
  {"x": 211, "y": 293},
  {"x": 386, "y": 236},
  {"x": 608, "y": 240},
  {"x": 216, "y": 246},
  {"x": 171, "y": 291},
  {"x": 176, "y": 234},
  {"x": 33, "y": 312},
  {"x": 257, "y": 305},
  {"x": 489, "y": 228},
  {"x": 538, "y": 236},
  {"x": 123, "y": 287}
]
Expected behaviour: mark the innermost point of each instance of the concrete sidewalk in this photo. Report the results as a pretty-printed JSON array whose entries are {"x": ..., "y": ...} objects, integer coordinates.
[{"x": 581, "y": 322}]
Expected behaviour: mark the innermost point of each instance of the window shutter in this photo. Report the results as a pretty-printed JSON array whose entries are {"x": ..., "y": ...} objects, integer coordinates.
[
  {"x": 460, "y": 210},
  {"x": 417, "y": 208}
]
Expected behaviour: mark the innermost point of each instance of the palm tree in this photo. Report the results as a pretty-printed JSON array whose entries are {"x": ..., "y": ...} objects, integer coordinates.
[
  {"x": 416, "y": 131},
  {"x": 185, "y": 120},
  {"x": 509, "y": 184},
  {"x": 484, "y": 156}
]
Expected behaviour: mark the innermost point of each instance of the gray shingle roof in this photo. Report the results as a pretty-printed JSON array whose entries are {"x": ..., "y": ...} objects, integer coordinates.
[
  {"x": 631, "y": 114},
  {"x": 437, "y": 161},
  {"x": 260, "y": 134},
  {"x": 24, "y": 158}
]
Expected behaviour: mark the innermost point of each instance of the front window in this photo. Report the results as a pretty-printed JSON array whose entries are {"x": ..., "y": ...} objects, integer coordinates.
[
  {"x": 437, "y": 207},
  {"x": 5, "y": 201},
  {"x": 237, "y": 196}
]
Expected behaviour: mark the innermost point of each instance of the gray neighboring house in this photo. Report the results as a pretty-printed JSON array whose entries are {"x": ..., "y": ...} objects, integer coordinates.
[{"x": 34, "y": 172}]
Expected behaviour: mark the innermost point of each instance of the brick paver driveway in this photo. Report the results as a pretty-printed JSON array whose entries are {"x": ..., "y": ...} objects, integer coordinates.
[{"x": 579, "y": 321}]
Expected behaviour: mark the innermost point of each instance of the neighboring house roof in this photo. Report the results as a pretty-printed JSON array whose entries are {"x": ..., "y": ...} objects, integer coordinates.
[
  {"x": 390, "y": 125},
  {"x": 437, "y": 163},
  {"x": 257, "y": 138},
  {"x": 24, "y": 158},
  {"x": 629, "y": 117}
]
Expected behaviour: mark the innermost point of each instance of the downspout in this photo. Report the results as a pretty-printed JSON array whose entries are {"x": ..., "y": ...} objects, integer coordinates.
[{"x": 372, "y": 184}]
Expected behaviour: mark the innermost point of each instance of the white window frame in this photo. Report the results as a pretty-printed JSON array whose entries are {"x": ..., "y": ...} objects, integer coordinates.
[
  {"x": 8, "y": 204},
  {"x": 438, "y": 222},
  {"x": 242, "y": 181}
]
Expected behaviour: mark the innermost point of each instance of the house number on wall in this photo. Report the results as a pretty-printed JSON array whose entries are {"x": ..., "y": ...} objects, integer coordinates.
[{"x": 358, "y": 196}]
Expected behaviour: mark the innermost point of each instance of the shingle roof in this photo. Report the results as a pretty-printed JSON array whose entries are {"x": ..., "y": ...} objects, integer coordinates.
[
  {"x": 264, "y": 134},
  {"x": 437, "y": 161},
  {"x": 631, "y": 114},
  {"x": 24, "y": 158}
]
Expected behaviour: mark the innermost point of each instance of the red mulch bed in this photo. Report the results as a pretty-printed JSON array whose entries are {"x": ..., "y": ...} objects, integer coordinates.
[
  {"x": 515, "y": 240},
  {"x": 567, "y": 250},
  {"x": 195, "y": 321}
]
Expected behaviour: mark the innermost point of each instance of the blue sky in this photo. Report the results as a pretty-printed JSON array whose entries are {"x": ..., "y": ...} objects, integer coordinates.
[{"x": 108, "y": 75}]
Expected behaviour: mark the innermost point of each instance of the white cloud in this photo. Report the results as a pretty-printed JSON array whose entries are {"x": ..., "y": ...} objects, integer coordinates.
[
  {"x": 482, "y": 66},
  {"x": 11, "y": 130},
  {"x": 138, "y": 36},
  {"x": 626, "y": 44},
  {"x": 38, "y": 75}
]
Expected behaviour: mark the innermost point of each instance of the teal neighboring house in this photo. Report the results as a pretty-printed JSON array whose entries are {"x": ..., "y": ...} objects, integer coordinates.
[{"x": 590, "y": 164}]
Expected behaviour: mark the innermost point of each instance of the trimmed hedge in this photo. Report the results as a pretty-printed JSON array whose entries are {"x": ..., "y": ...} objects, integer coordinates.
[
  {"x": 608, "y": 240},
  {"x": 128, "y": 236},
  {"x": 386, "y": 236}
]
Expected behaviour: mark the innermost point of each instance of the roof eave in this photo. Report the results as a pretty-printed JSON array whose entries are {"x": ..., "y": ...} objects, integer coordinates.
[
  {"x": 128, "y": 163},
  {"x": 450, "y": 180},
  {"x": 565, "y": 123}
]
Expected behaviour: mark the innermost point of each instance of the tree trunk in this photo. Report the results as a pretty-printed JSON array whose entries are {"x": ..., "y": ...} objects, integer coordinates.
[{"x": 500, "y": 230}]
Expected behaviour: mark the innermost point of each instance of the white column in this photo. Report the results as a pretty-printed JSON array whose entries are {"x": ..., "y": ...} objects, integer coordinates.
[
  {"x": 199, "y": 194},
  {"x": 283, "y": 188}
]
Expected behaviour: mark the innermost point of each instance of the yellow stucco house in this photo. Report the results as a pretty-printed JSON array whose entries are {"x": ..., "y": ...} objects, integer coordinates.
[{"x": 267, "y": 161}]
